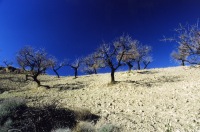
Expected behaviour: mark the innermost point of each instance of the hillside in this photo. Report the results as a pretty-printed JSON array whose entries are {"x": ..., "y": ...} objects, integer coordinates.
[{"x": 148, "y": 100}]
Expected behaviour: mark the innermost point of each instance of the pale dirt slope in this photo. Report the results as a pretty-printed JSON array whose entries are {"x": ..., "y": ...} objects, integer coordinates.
[{"x": 142, "y": 101}]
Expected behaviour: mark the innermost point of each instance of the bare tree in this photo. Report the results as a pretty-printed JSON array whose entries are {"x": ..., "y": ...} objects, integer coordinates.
[
  {"x": 131, "y": 52},
  {"x": 92, "y": 63},
  {"x": 180, "y": 55},
  {"x": 55, "y": 65},
  {"x": 135, "y": 52},
  {"x": 35, "y": 62},
  {"x": 146, "y": 61},
  {"x": 188, "y": 39},
  {"x": 112, "y": 55},
  {"x": 7, "y": 63},
  {"x": 75, "y": 66},
  {"x": 143, "y": 53}
]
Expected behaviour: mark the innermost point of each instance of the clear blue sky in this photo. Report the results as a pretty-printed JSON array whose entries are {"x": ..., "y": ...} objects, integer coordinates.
[{"x": 74, "y": 28}]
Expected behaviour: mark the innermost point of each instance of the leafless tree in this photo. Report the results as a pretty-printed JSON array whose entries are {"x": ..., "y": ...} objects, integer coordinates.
[
  {"x": 75, "y": 66},
  {"x": 135, "y": 52},
  {"x": 112, "y": 55},
  {"x": 92, "y": 63},
  {"x": 55, "y": 65},
  {"x": 7, "y": 63},
  {"x": 143, "y": 55},
  {"x": 180, "y": 55},
  {"x": 35, "y": 62},
  {"x": 131, "y": 52},
  {"x": 146, "y": 61},
  {"x": 188, "y": 39}
]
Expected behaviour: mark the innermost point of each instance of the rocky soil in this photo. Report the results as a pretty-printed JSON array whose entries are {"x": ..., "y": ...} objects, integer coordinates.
[{"x": 166, "y": 99}]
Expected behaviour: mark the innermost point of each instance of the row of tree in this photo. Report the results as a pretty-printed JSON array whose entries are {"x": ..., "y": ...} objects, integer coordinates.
[{"x": 122, "y": 51}]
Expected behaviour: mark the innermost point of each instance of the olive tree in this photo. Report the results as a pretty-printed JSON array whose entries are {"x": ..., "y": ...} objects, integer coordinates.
[{"x": 34, "y": 62}]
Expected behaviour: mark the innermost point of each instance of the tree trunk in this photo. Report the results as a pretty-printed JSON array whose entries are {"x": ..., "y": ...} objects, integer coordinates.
[
  {"x": 129, "y": 66},
  {"x": 36, "y": 80},
  {"x": 95, "y": 71},
  {"x": 146, "y": 64},
  {"x": 75, "y": 72},
  {"x": 26, "y": 77},
  {"x": 112, "y": 76},
  {"x": 56, "y": 73},
  {"x": 138, "y": 63},
  {"x": 182, "y": 62}
]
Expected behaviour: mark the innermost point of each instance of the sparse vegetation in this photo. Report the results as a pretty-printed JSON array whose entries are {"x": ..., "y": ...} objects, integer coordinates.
[
  {"x": 111, "y": 89},
  {"x": 16, "y": 115},
  {"x": 127, "y": 104}
]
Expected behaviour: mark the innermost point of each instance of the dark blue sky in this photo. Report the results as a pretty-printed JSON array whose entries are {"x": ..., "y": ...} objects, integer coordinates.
[{"x": 74, "y": 28}]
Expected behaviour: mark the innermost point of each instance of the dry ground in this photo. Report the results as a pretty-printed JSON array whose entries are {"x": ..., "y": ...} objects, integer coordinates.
[{"x": 166, "y": 99}]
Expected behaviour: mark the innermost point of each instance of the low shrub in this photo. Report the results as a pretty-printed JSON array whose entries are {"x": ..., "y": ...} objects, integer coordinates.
[
  {"x": 109, "y": 128},
  {"x": 8, "y": 107},
  {"x": 86, "y": 115},
  {"x": 7, "y": 110},
  {"x": 85, "y": 127},
  {"x": 15, "y": 115},
  {"x": 62, "y": 130},
  {"x": 30, "y": 119}
]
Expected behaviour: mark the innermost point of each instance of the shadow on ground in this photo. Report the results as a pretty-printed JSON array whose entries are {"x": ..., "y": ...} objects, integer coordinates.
[
  {"x": 147, "y": 72},
  {"x": 155, "y": 82},
  {"x": 70, "y": 86},
  {"x": 39, "y": 119}
]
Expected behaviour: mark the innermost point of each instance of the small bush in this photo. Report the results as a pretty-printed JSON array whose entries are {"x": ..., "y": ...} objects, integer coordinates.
[
  {"x": 86, "y": 115},
  {"x": 47, "y": 118},
  {"x": 14, "y": 114},
  {"x": 109, "y": 128},
  {"x": 7, "y": 108},
  {"x": 85, "y": 127},
  {"x": 62, "y": 130},
  {"x": 2, "y": 90}
]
